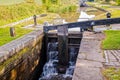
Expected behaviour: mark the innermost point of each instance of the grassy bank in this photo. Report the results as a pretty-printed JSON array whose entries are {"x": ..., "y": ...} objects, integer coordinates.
[
  {"x": 20, "y": 31},
  {"x": 115, "y": 11},
  {"x": 11, "y": 2},
  {"x": 5, "y": 34},
  {"x": 16, "y": 10},
  {"x": 12, "y": 13},
  {"x": 112, "y": 74},
  {"x": 112, "y": 40}
]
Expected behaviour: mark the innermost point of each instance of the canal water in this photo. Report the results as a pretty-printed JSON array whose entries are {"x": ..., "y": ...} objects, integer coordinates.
[
  {"x": 89, "y": 11},
  {"x": 50, "y": 71}
]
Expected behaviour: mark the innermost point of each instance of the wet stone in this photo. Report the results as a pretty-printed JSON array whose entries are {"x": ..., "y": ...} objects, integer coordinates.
[{"x": 57, "y": 77}]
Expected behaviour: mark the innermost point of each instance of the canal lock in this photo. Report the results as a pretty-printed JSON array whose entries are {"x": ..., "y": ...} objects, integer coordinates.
[{"x": 51, "y": 70}]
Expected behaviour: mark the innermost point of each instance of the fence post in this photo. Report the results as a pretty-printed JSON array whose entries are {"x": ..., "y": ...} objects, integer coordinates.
[
  {"x": 108, "y": 15},
  {"x": 35, "y": 20},
  {"x": 12, "y": 31}
]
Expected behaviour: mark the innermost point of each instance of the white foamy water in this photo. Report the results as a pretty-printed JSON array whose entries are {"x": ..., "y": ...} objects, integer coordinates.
[{"x": 85, "y": 17}]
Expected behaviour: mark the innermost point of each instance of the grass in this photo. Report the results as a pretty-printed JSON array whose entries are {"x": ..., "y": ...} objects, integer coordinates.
[
  {"x": 112, "y": 40},
  {"x": 114, "y": 11},
  {"x": 13, "y": 13},
  {"x": 11, "y": 2},
  {"x": 112, "y": 74},
  {"x": 70, "y": 17},
  {"x": 5, "y": 34}
]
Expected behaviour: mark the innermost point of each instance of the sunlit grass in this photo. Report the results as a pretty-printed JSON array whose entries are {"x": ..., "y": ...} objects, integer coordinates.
[
  {"x": 112, "y": 74},
  {"x": 17, "y": 11},
  {"x": 13, "y": 13},
  {"x": 112, "y": 40},
  {"x": 5, "y": 34},
  {"x": 11, "y": 2}
]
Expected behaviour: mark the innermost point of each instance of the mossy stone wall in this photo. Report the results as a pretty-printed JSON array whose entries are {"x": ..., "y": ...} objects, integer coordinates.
[{"x": 20, "y": 57}]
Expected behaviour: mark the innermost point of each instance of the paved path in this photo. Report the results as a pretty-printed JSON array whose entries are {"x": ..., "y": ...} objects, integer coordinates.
[
  {"x": 103, "y": 28},
  {"x": 112, "y": 58},
  {"x": 90, "y": 60}
]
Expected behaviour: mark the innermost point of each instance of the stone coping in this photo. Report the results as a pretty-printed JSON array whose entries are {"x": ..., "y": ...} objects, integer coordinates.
[
  {"x": 11, "y": 48},
  {"x": 90, "y": 58}
]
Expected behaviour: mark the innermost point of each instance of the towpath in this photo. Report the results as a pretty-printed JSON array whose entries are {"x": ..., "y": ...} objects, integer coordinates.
[{"x": 90, "y": 58}]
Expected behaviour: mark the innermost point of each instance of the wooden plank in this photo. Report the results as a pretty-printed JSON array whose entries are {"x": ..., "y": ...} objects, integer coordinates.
[
  {"x": 71, "y": 35},
  {"x": 63, "y": 55},
  {"x": 86, "y": 24}
]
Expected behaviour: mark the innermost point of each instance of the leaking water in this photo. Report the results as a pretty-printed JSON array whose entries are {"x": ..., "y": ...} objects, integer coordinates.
[{"x": 50, "y": 71}]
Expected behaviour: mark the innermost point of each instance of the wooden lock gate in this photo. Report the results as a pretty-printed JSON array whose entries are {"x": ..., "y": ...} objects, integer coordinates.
[{"x": 62, "y": 35}]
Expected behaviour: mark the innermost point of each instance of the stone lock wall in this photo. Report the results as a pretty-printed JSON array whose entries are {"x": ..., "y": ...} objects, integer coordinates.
[{"x": 19, "y": 58}]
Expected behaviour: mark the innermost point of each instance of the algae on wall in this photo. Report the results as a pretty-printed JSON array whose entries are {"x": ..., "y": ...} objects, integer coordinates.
[{"x": 18, "y": 64}]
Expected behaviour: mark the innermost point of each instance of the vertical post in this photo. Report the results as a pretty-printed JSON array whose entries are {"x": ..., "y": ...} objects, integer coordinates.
[
  {"x": 12, "y": 31},
  {"x": 108, "y": 15},
  {"x": 63, "y": 55},
  {"x": 81, "y": 29},
  {"x": 35, "y": 20},
  {"x": 46, "y": 37}
]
